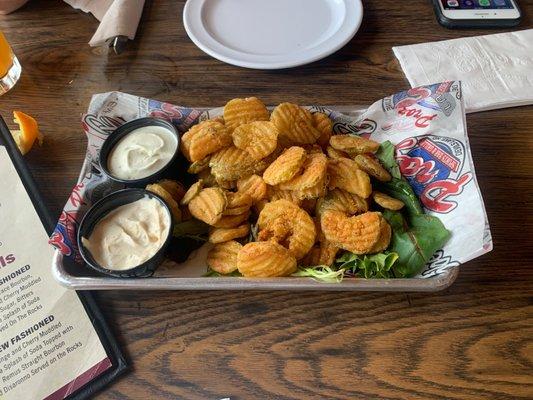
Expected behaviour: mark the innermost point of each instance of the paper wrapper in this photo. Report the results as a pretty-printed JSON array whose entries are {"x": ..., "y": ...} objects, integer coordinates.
[{"x": 426, "y": 124}]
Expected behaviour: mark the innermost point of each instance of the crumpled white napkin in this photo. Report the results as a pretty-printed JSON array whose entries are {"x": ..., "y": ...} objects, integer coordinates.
[
  {"x": 117, "y": 17},
  {"x": 496, "y": 70}
]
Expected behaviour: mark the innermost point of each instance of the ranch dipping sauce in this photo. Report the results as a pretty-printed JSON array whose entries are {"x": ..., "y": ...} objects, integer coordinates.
[
  {"x": 129, "y": 235},
  {"x": 142, "y": 152}
]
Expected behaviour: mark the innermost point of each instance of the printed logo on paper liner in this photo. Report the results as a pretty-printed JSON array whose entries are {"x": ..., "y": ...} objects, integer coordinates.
[
  {"x": 440, "y": 97},
  {"x": 433, "y": 166},
  {"x": 181, "y": 117},
  {"x": 438, "y": 264}
]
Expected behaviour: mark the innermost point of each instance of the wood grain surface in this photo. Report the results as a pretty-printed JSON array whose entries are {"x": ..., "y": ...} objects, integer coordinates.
[{"x": 472, "y": 341}]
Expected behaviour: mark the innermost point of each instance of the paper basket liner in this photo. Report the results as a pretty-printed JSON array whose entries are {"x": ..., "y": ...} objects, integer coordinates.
[{"x": 426, "y": 124}]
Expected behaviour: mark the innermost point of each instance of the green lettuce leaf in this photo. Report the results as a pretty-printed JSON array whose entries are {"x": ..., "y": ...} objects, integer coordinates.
[
  {"x": 214, "y": 274},
  {"x": 414, "y": 241},
  {"x": 322, "y": 273},
  {"x": 385, "y": 154},
  {"x": 368, "y": 266},
  {"x": 401, "y": 190},
  {"x": 398, "y": 187}
]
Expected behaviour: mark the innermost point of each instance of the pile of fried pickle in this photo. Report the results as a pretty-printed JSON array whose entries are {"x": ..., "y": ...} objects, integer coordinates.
[{"x": 308, "y": 193}]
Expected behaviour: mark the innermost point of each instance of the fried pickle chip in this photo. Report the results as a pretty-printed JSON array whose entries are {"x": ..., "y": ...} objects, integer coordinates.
[
  {"x": 232, "y": 221},
  {"x": 222, "y": 258},
  {"x": 221, "y": 235},
  {"x": 265, "y": 259},
  {"x": 286, "y": 166},
  {"x": 334, "y": 153},
  {"x": 207, "y": 177},
  {"x": 358, "y": 234},
  {"x": 225, "y": 184},
  {"x": 238, "y": 203},
  {"x": 314, "y": 192},
  {"x": 372, "y": 167},
  {"x": 384, "y": 238},
  {"x": 295, "y": 124},
  {"x": 259, "y": 138},
  {"x": 208, "y": 137},
  {"x": 353, "y": 144},
  {"x": 254, "y": 186},
  {"x": 275, "y": 193},
  {"x": 199, "y": 166},
  {"x": 386, "y": 201},
  {"x": 176, "y": 189},
  {"x": 322, "y": 254},
  {"x": 242, "y": 111},
  {"x": 208, "y": 205},
  {"x": 313, "y": 173},
  {"x": 345, "y": 174},
  {"x": 167, "y": 197},
  {"x": 325, "y": 126},
  {"x": 192, "y": 192},
  {"x": 341, "y": 200},
  {"x": 232, "y": 163},
  {"x": 289, "y": 225}
]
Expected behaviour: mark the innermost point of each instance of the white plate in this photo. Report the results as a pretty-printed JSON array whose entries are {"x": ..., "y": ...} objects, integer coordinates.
[{"x": 271, "y": 34}]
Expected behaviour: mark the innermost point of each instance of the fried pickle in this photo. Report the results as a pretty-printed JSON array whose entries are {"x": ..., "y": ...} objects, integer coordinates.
[
  {"x": 232, "y": 163},
  {"x": 358, "y": 234},
  {"x": 286, "y": 166},
  {"x": 345, "y": 174},
  {"x": 265, "y": 259},
  {"x": 353, "y": 145},
  {"x": 167, "y": 197},
  {"x": 209, "y": 137},
  {"x": 238, "y": 203},
  {"x": 259, "y": 138},
  {"x": 242, "y": 111},
  {"x": 192, "y": 192},
  {"x": 222, "y": 257},
  {"x": 221, "y": 235},
  {"x": 325, "y": 126},
  {"x": 295, "y": 124},
  {"x": 254, "y": 186},
  {"x": 386, "y": 201},
  {"x": 208, "y": 205},
  {"x": 289, "y": 225},
  {"x": 372, "y": 167},
  {"x": 313, "y": 172}
]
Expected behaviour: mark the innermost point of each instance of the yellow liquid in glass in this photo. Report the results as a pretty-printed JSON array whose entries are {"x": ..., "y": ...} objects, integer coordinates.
[{"x": 6, "y": 55}]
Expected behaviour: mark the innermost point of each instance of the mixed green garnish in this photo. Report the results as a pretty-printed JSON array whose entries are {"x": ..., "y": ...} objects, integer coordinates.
[{"x": 416, "y": 236}]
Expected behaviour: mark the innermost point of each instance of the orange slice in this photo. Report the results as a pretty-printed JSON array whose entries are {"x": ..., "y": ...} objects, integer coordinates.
[{"x": 28, "y": 133}]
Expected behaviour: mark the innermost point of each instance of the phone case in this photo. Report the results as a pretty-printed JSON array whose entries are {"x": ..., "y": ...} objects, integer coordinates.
[
  {"x": 474, "y": 23},
  {"x": 118, "y": 361}
]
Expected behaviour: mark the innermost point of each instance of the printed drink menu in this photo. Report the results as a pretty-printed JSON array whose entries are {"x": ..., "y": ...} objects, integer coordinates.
[{"x": 49, "y": 347}]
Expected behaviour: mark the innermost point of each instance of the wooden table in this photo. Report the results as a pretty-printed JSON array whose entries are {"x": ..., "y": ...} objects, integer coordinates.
[{"x": 472, "y": 341}]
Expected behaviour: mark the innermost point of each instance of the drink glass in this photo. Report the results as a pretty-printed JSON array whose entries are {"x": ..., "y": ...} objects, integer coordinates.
[{"x": 9, "y": 66}]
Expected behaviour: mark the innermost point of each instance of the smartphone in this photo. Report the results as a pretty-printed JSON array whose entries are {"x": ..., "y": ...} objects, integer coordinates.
[{"x": 477, "y": 13}]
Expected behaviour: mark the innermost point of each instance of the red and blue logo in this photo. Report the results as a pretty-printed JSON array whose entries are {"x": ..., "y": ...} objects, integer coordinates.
[{"x": 433, "y": 165}]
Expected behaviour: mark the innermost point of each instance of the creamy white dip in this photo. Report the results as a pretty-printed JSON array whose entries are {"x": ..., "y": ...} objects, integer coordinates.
[
  {"x": 142, "y": 152},
  {"x": 129, "y": 235}
]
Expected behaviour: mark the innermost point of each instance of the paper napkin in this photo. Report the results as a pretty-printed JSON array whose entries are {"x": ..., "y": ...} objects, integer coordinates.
[
  {"x": 117, "y": 17},
  {"x": 496, "y": 70}
]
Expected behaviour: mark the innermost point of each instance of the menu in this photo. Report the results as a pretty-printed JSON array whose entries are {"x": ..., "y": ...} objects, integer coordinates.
[{"x": 49, "y": 347}]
